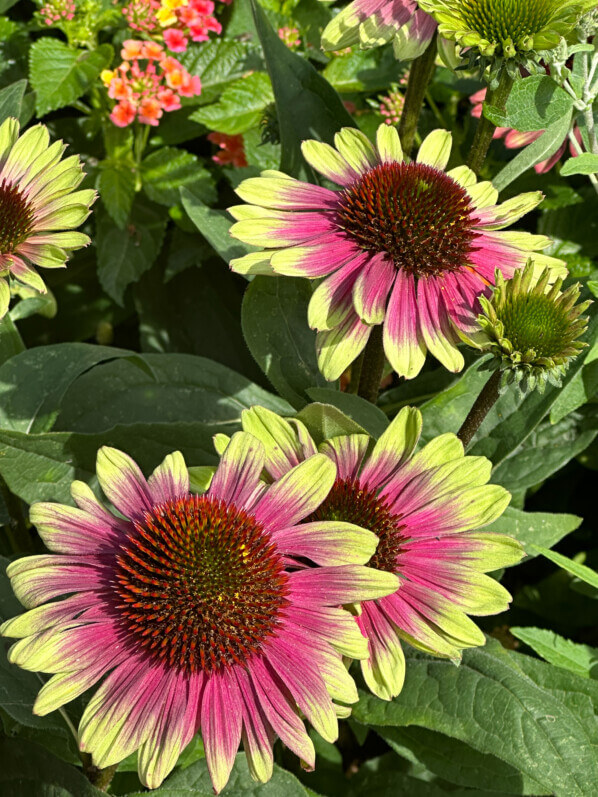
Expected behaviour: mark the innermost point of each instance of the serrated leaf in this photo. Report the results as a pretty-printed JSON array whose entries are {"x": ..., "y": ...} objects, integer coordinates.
[
  {"x": 307, "y": 105},
  {"x": 274, "y": 320},
  {"x": 240, "y": 107},
  {"x": 124, "y": 255},
  {"x": 555, "y": 649},
  {"x": 586, "y": 163},
  {"x": 168, "y": 170},
  {"x": 534, "y": 103},
  {"x": 116, "y": 186},
  {"x": 217, "y": 63},
  {"x": 535, "y": 717},
  {"x": 60, "y": 74},
  {"x": 538, "y": 151}
]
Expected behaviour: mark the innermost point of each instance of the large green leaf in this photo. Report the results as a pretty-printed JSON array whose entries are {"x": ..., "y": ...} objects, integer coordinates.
[
  {"x": 307, "y": 105},
  {"x": 363, "y": 412},
  {"x": 583, "y": 572},
  {"x": 535, "y": 528},
  {"x": 116, "y": 186},
  {"x": 240, "y": 107},
  {"x": 60, "y": 74},
  {"x": 124, "y": 255},
  {"x": 274, "y": 318},
  {"x": 33, "y": 383},
  {"x": 167, "y": 170},
  {"x": 214, "y": 225},
  {"x": 536, "y": 718},
  {"x": 160, "y": 388},
  {"x": 534, "y": 103},
  {"x": 11, "y": 99},
  {"x": 217, "y": 63}
]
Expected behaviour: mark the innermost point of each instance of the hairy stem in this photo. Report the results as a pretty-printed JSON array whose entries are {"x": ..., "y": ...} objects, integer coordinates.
[
  {"x": 100, "y": 778},
  {"x": 420, "y": 75},
  {"x": 482, "y": 406},
  {"x": 372, "y": 367},
  {"x": 485, "y": 129}
]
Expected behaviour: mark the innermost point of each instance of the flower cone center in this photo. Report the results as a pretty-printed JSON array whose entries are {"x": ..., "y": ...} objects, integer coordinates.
[
  {"x": 507, "y": 20},
  {"x": 416, "y": 214},
  {"x": 200, "y": 584},
  {"x": 349, "y": 503},
  {"x": 535, "y": 322},
  {"x": 16, "y": 217}
]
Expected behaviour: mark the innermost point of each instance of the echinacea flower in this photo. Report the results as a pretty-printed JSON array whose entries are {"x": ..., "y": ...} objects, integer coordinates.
[
  {"x": 406, "y": 245},
  {"x": 532, "y": 328},
  {"x": 427, "y": 509},
  {"x": 197, "y": 611},
  {"x": 39, "y": 206},
  {"x": 371, "y": 23},
  {"x": 506, "y": 28}
]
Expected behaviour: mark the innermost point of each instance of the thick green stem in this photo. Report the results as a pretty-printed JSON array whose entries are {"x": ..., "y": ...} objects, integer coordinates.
[
  {"x": 372, "y": 367},
  {"x": 100, "y": 778},
  {"x": 420, "y": 75},
  {"x": 485, "y": 129},
  {"x": 482, "y": 406}
]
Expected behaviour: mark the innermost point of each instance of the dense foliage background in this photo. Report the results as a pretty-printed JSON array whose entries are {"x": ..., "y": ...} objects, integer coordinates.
[{"x": 148, "y": 342}]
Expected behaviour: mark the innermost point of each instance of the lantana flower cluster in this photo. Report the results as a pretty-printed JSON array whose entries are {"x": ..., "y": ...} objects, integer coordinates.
[
  {"x": 147, "y": 83},
  {"x": 54, "y": 11},
  {"x": 141, "y": 15},
  {"x": 187, "y": 19}
]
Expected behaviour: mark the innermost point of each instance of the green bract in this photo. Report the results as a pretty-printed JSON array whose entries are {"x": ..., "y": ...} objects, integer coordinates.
[
  {"x": 506, "y": 28},
  {"x": 532, "y": 328}
]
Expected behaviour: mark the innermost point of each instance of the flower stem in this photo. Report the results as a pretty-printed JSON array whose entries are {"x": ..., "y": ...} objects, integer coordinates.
[
  {"x": 485, "y": 129},
  {"x": 100, "y": 778},
  {"x": 372, "y": 367},
  {"x": 16, "y": 528},
  {"x": 420, "y": 75},
  {"x": 482, "y": 406}
]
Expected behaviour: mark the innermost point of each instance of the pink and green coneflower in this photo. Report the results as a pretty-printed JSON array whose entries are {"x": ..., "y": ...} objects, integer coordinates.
[
  {"x": 39, "y": 207},
  {"x": 406, "y": 245},
  {"x": 427, "y": 509},
  {"x": 372, "y": 23},
  {"x": 197, "y": 612}
]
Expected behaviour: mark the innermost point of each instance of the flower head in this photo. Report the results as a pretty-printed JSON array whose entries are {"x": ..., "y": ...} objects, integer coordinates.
[
  {"x": 196, "y": 611},
  {"x": 371, "y": 24},
  {"x": 147, "y": 84},
  {"x": 187, "y": 19},
  {"x": 391, "y": 106},
  {"x": 426, "y": 509},
  {"x": 406, "y": 245},
  {"x": 55, "y": 11},
  {"x": 39, "y": 207},
  {"x": 532, "y": 328},
  {"x": 231, "y": 149},
  {"x": 506, "y": 28},
  {"x": 141, "y": 15},
  {"x": 290, "y": 36}
]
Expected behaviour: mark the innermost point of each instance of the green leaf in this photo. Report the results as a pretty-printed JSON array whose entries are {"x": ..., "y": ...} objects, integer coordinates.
[
  {"x": 457, "y": 762},
  {"x": 274, "y": 319},
  {"x": 536, "y": 718},
  {"x": 240, "y": 107},
  {"x": 11, "y": 99},
  {"x": 214, "y": 225},
  {"x": 42, "y": 467},
  {"x": 166, "y": 171},
  {"x": 124, "y": 255},
  {"x": 582, "y": 388},
  {"x": 11, "y": 342},
  {"x": 167, "y": 389},
  {"x": 534, "y": 103},
  {"x": 555, "y": 649},
  {"x": 30, "y": 771},
  {"x": 324, "y": 421},
  {"x": 307, "y": 105},
  {"x": 217, "y": 63},
  {"x": 586, "y": 163},
  {"x": 60, "y": 74},
  {"x": 584, "y": 573},
  {"x": 362, "y": 70},
  {"x": 538, "y": 151},
  {"x": 195, "y": 780},
  {"x": 363, "y": 412},
  {"x": 116, "y": 186},
  {"x": 33, "y": 383},
  {"x": 535, "y": 528}
]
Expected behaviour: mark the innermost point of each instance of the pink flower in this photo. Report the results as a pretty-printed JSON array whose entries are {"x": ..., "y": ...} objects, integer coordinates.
[
  {"x": 141, "y": 15},
  {"x": 175, "y": 40},
  {"x": 290, "y": 36},
  {"x": 405, "y": 246},
  {"x": 195, "y": 20},
  {"x": 195, "y": 612},
  {"x": 123, "y": 114},
  {"x": 232, "y": 149}
]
